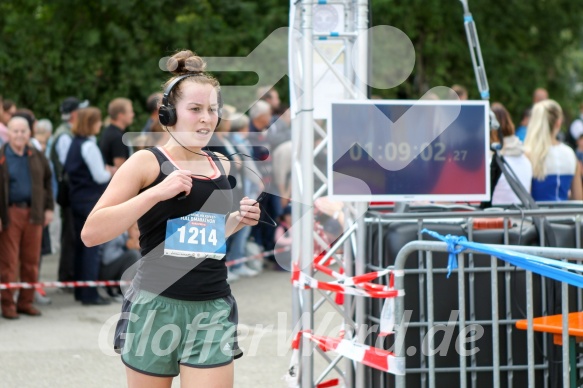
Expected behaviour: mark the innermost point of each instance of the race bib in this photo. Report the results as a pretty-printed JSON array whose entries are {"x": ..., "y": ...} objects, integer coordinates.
[{"x": 198, "y": 235}]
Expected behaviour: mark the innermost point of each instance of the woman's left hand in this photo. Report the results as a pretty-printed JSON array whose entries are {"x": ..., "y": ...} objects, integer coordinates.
[{"x": 249, "y": 212}]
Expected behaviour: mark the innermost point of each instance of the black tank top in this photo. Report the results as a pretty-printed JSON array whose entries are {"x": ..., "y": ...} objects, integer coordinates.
[{"x": 179, "y": 277}]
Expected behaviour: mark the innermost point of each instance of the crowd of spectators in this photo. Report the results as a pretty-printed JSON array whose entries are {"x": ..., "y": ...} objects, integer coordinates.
[
  {"x": 67, "y": 170},
  {"x": 538, "y": 153}
]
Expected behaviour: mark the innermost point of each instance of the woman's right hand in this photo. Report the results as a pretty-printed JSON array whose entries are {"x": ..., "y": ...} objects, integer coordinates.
[{"x": 178, "y": 182}]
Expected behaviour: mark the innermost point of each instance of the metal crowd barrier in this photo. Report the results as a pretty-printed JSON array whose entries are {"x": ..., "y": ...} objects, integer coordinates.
[{"x": 482, "y": 292}]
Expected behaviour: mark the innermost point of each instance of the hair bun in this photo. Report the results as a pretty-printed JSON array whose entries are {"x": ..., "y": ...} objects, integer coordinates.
[{"x": 185, "y": 62}]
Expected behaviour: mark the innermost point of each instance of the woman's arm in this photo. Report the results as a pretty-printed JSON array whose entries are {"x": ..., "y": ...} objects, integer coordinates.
[
  {"x": 121, "y": 206},
  {"x": 577, "y": 185},
  {"x": 94, "y": 161}
]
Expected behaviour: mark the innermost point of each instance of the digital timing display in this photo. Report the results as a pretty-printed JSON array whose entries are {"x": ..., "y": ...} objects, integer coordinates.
[{"x": 395, "y": 150}]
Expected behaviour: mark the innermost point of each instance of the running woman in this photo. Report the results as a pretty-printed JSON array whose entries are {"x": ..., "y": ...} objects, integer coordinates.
[{"x": 178, "y": 316}]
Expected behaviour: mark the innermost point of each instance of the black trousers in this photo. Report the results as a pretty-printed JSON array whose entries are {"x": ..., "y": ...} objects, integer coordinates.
[
  {"x": 87, "y": 259},
  {"x": 115, "y": 269},
  {"x": 67, "y": 257}
]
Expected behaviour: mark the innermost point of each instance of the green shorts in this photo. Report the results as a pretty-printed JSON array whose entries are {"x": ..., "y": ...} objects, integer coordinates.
[{"x": 161, "y": 333}]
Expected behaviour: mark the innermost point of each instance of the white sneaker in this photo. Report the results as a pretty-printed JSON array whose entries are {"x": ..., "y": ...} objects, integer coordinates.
[
  {"x": 244, "y": 271},
  {"x": 231, "y": 277},
  {"x": 41, "y": 300},
  {"x": 255, "y": 265}
]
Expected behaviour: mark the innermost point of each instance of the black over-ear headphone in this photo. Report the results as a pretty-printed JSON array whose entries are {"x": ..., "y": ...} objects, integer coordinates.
[{"x": 167, "y": 112}]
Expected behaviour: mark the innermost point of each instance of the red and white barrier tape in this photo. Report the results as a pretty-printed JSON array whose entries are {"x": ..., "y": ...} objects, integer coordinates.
[
  {"x": 376, "y": 358},
  {"x": 113, "y": 283},
  {"x": 302, "y": 280},
  {"x": 73, "y": 284},
  {"x": 373, "y": 357},
  {"x": 329, "y": 383},
  {"x": 362, "y": 280},
  {"x": 359, "y": 285},
  {"x": 331, "y": 260},
  {"x": 292, "y": 378},
  {"x": 387, "y": 322}
]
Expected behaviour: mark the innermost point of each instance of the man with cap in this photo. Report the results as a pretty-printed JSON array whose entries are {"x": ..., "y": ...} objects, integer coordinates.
[
  {"x": 58, "y": 151},
  {"x": 61, "y": 143}
]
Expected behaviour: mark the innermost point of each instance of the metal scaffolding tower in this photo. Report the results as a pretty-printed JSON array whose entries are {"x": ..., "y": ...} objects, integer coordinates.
[
  {"x": 312, "y": 22},
  {"x": 309, "y": 183}
]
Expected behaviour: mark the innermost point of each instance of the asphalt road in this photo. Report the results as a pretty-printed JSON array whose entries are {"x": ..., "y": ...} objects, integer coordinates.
[{"x": 70, "y": 345}]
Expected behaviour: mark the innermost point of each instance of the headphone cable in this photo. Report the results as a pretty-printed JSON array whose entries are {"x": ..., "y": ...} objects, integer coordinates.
[{"x": 261, "y": 196}]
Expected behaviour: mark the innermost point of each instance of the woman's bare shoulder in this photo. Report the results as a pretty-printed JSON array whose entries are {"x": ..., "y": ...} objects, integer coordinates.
[{"x": 142, "y": 164}]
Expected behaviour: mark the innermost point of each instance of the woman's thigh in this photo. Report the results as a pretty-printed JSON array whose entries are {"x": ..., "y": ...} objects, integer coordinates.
[
  {"x": 218, "y": 377},
  {"x": 140, "y": 380}
]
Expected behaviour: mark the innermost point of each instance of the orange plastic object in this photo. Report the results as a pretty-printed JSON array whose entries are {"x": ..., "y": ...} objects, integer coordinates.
[
  {"x": 491, "y": 223},
  {"x": 554, "y": 324}
]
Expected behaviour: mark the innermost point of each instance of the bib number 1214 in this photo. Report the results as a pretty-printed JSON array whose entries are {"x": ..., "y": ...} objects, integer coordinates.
[
  {"x": 198, "y": 235},
  {"x": 193, "y": 233}
]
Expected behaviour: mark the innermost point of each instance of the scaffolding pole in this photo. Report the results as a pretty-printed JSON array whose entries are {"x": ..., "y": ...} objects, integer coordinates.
[
  {"x": 308, "y": 183},
  {"x": 359, "y": 257},
  {"x": 307, "y": 190}
]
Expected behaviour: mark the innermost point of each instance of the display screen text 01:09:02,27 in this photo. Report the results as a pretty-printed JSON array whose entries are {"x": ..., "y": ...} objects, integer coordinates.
[{"x": 404, "y": 151}]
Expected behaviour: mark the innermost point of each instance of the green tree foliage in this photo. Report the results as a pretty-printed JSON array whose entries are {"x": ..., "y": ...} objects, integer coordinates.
[
  {"x": 525, "y": 45},
  {"x": 102, "y": 49}
]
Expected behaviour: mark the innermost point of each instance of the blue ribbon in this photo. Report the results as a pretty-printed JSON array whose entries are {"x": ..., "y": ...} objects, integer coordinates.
[
  {"x": 452, "y": 242},
  {"x": 551, "y": 268}
]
